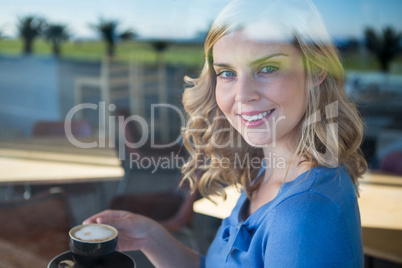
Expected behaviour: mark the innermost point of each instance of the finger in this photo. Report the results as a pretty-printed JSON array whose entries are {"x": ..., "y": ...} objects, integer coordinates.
[
  {"x": 92, "y": 219},
  {"x": 117, "y": 222},
  {"x": 106, "y": 213}
]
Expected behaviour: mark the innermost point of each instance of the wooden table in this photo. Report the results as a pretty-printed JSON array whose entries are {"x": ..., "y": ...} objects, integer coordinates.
[
  {"x": 56, "y": 160},
  {"x": 380, "y": 206},
  {"x": 13, "y": 256}
]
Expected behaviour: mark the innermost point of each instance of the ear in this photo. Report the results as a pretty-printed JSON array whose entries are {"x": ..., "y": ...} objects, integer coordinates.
[{"x": 319, "y": 78}]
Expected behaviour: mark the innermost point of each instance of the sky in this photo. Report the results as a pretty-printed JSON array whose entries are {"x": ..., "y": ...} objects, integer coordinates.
[{"x": 178, "y": 19}]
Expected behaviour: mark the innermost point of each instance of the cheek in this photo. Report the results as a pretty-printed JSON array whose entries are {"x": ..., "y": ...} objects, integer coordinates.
[
  {"x": 291, "y": 92},
  {"x": 224, "y": 102}
]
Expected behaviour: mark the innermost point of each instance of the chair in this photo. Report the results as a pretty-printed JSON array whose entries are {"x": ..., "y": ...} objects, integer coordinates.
[
  {"x": 130, "y": 80},
  {"x": 56, "y": 128},
  {"x": 392, "y": 163},
  {"x": 127, "y": 135},
  {"x": 114, "y": 82},
  {"x": 38, "y": 226},
  {"x": 79, "y": 129},
  {"x": 173, "y": 208},
  {"x": 382, "y": 245}
]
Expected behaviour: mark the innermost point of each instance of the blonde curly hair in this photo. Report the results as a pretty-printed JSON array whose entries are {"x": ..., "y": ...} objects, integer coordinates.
[{"x": 330, "y": 132}]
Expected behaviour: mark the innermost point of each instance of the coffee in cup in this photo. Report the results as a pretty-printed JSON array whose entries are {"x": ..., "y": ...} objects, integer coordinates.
[{"x": 90, "y": 243}]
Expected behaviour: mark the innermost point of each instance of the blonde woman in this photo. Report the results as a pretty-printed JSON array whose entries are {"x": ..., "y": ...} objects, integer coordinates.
[{"x": 269, "y": 114}]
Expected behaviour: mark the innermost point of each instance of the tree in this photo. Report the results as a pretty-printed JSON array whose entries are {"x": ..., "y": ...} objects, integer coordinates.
[
  {"x": 127, "y": 35},
  {"x": 160, "y": 47},
  {"x": 108, "y": 31},
  {"x": 29, "y": 28},
  {"x": 56, "y": 34},
  {"x": 385, "y": 45}
]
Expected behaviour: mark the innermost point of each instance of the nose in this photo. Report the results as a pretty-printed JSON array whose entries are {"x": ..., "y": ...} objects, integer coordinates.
[{"x": 246, "y": 90}]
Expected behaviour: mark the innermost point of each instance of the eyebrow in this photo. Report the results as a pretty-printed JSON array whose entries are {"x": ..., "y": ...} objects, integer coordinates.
[{"x": 256, "y": 62}]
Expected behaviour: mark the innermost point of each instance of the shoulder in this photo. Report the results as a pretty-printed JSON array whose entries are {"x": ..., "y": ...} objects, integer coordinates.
[
  {"x": 330, "y": 190},
  {"x": 306, "y": 208},
  {"x": 316, "y": 223},
  {"x": 328, "y": 201},
  {"x": 332, "y": 185},
  {"x": 308, "y": 230}
]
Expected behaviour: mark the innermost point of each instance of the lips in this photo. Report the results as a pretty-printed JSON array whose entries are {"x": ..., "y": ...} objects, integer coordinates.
[{"x": 255, "y": 119}]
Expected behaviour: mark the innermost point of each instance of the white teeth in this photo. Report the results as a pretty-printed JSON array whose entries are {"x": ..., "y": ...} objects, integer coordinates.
[{"x": 256, "y": 116}]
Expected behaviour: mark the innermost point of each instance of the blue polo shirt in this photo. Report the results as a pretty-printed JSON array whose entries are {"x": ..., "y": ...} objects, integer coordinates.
[{"x": 314, "y": 221}]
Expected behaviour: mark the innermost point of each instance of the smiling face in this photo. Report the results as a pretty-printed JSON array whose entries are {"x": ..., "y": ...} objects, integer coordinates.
[{"x": 260, "y": 87}]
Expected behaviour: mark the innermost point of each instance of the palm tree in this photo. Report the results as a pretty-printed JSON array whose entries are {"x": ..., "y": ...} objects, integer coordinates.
[
  {"x": 108, "y": 31},
  {"x": 56, "y": 34},
  {"x": 160, "y": 47},
  {"x": 385, "y": 45},
  {"x": 127, "y": 35},
  {"x": 29, "y": 28}
]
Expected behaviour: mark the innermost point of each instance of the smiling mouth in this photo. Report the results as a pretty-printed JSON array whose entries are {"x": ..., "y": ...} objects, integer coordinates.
[{"x": 256, "y": 117}]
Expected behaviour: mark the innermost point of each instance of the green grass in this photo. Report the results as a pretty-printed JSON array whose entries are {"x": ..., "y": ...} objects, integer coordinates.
[
  {"x": 356, "y": 61},
  {"x": 175, "y": 54},
  {"x": 366, "y": 62}
]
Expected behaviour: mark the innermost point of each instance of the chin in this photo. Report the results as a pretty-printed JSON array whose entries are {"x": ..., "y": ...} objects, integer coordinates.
[{"x": 258, "y": 141}]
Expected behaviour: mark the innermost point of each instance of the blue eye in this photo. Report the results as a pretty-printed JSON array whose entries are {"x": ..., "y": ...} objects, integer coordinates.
[
  {"x": 226, "y": 74},
  {"x": 268, "y": 69}
]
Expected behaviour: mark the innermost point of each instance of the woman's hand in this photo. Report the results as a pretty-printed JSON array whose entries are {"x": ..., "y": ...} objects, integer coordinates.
[
  {"x": 134, "y": 230},
  {"x": 137, "y": 232}
]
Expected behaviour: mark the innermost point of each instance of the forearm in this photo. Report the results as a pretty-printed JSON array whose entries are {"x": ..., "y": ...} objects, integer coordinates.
[{"x": 163, "y": 250}]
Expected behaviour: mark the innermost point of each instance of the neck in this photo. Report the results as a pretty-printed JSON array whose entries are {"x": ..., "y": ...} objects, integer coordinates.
[{"x": 282, "y": 164}]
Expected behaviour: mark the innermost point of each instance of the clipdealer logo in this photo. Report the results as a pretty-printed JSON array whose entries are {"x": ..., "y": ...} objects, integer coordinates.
[{"x": 330, "y": 156}]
